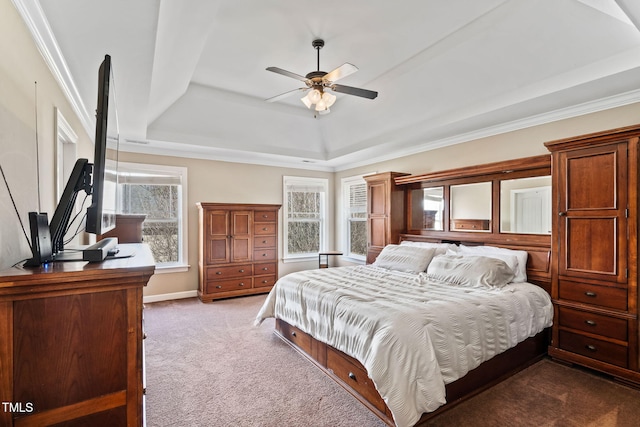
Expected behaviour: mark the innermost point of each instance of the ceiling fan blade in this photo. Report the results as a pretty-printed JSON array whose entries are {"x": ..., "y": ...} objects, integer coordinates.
[
  {"x": 286, "y": 94},
  {"x": 364, "y": 93},
  {"x": 287, "y": 73},
  {"x": 342, "y": 71}
]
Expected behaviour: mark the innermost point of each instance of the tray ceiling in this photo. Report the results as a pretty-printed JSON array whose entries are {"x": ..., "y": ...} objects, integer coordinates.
[{"x": 191, "y": 79}]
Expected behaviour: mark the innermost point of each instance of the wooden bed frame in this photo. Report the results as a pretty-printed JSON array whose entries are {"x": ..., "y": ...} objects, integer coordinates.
[{"x": 351, "y": 375}]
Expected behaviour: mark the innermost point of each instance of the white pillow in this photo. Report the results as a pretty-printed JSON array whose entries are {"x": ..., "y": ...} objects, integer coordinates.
[
  {"x": 470, "y": 270},
  {"x": 409, "y": 259},
  {"x": 440, "y": 248},
  {"x": 519, "y": 265}
]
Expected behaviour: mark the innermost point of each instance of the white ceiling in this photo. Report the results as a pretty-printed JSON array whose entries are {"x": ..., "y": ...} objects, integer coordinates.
[{"x": 191, "y": 78}]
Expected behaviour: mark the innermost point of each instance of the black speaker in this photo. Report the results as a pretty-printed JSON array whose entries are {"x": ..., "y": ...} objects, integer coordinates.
[{"x": 40, "y": 239}]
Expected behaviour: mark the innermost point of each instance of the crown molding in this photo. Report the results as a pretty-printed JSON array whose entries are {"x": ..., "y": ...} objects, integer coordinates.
[{"x": 37, "y": 24}]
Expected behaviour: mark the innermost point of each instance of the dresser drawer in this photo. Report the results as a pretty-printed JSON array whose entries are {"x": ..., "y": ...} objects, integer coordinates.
[
  {"x": 264, "y": 255},
  {"x": 242, "y": 270},
  {"x": 296, "y": 336},
  {"x": 264, "y": 228},
  {"x": 594, "y": 323},
  {"x": 605, "y": 296},
  {"x": 351, "y": 372},
  {"x": 266, "y": 268},
  {"x": 604, "y": 351},
  {"x": 265, "y": 216},
  {"x": 264, "y": 242},
  {"x": 215, "y": 286},
  {"x": 264, "y": 281}
]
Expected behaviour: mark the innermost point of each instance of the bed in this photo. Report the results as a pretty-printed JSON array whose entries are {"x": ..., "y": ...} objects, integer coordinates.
[{"x": 423, "y": 327}]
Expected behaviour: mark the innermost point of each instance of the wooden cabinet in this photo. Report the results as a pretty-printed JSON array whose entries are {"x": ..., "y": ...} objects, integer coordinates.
[
  {"x": 595, "y": 247},
  {"x": 238, "y": 249},
  {"x": 71, "y": 350},
  {"x": 385, "y": 212}
]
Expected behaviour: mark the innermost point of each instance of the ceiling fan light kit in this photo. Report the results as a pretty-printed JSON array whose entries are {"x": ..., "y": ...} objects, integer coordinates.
[{"x": 318, "y": 81}]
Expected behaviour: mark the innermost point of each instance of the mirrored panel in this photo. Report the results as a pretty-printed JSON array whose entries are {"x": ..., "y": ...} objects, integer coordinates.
[
  {"x": 427, "y": 208},
  {"x": 471, "y": 207},
  {"x": 525, "y": 205}
]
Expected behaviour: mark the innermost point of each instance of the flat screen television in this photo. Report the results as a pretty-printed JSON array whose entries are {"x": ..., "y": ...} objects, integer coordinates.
[
  {"x": 101, "y": 215},
  {"x": 98, "y": 179}
]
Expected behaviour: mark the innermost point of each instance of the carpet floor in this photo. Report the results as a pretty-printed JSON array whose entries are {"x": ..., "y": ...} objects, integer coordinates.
[{"x": 207, "y": 365}]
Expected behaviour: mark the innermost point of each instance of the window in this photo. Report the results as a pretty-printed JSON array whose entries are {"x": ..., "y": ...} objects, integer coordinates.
[
  {"x": 157, "y": 192},
  {"x": 354, "y": 202},
  {"x": 305, "y": 215}
]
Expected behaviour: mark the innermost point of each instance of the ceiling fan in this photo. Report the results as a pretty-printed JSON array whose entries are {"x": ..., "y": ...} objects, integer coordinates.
[{"x": 317, "y": 82}]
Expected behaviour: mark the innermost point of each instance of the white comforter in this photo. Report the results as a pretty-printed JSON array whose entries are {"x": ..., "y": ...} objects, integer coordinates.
[{"x": 413, "y": 335}]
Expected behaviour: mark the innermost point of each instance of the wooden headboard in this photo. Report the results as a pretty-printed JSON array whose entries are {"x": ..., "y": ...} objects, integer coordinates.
[{"x": 538, "y": 262}]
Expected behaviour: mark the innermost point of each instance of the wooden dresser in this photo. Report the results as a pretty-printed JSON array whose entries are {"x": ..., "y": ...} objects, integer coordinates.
[
  {"x": 71, "y": 349},
  {"x": 238, "y": 249},
  {"x": 595, "y": 247}
]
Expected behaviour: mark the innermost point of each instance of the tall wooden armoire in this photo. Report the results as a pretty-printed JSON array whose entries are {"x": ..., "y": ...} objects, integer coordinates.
[{"x": 595, "y": 250}]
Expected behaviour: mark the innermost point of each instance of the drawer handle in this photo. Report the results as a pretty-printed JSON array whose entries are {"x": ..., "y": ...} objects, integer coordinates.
[
  {"x": 265, "y": 216},
  {"x": 265, "y": 281},
  {"x": 218, "y": 272},
  {"x": 590, "y": 322},
  {"x": 241, "y": 271},
  {"x": 265, "y": 268},
  {"x": 264, "y": 254},
  {"x": 591, "y": 294},
  {"x": 218, "y": 287},
  {"x": 241, "y": 284},
  {"x": 591, "y": 347},
  {"x": 352, "y": 376},
  {"x": 293, "y": 334},
  {"x": 264, "y": 241},
  {"x": 264, "y": 228}
]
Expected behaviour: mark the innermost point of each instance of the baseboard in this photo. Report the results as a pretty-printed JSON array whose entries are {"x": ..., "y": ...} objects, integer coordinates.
[{"x": 171, "y": 296}]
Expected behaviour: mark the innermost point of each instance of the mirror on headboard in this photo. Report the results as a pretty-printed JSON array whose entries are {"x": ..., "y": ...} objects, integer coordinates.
[
  {"x": 470, "y": 207},
  {"x": 476, "y": 202},
  {"x": 525, "y": 205},
  {"x": 427, "y": 211}
]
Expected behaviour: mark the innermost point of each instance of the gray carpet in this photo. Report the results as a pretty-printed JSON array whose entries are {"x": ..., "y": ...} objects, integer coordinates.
[{"x": 207, "y": 365}]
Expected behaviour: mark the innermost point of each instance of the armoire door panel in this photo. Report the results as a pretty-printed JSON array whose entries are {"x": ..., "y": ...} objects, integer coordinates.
[
  {"x": 589, "y": 190},
  {"x": 218, "y": 250},
  {"x": 241, "y": 223},
  {"x": 591, "y": 246},
  {"x": 378, "y": 199},
  {"x": 378, "y": 231},
  {"x": 218, "y": 223},
  {"x": 241, "y": 250}
]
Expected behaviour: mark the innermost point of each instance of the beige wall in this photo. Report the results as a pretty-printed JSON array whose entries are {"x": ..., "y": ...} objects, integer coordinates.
[
  {"x": 224, "y": 182},
  {"x": 21, "y": 66}
]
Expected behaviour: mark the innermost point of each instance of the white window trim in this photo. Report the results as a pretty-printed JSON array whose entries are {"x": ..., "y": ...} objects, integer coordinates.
[
  {"x": 345, "y": 184},
  {"x": 182, "y": 264},
  {"x": 297, "y": 180}
]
